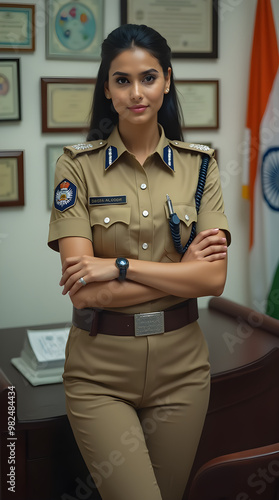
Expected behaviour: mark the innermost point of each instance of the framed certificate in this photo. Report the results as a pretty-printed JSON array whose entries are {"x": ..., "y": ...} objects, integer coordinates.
[
  {"x": 74, "y": 29},
  {"x": 11, "y": 179},
  {"x": 191, "y": 28},
  {"x": 53, "y": 151},
  {"x": 66, "y": 104},
  {"x": 17, "y": 27},
  {"x": 199, "y": 100},
  {"x": 10, "y": 106}
]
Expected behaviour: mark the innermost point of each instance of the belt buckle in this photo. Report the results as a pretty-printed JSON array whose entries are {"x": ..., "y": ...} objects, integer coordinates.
[{"x": 149, "y": 323}]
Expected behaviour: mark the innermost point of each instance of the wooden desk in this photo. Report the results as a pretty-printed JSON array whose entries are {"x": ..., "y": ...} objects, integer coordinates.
[
  {"x": 47, "y": 458},
  {"x": 48, "y": 463}
]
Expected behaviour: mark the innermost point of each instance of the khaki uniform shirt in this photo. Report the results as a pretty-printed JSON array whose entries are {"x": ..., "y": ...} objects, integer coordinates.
[{"x": 104, "y": 194}]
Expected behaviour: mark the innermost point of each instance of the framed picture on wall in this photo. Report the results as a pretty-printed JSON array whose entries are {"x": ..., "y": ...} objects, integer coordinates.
[
  {"x": 10, "y": 105},
  {"x": 66, "y": 104},
  {"x": 11, "y": 179},
  {"x": 199, "y": 100},
  {"x": 53, "y": 151},
  {"x": 17, "y": 22},
  {"x": 74, "y": 30},
  {"x": 191, "y": 28}
]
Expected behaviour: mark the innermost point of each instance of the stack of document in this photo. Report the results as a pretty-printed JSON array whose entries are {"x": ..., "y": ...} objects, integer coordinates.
[{"x": 42, "y": 358}]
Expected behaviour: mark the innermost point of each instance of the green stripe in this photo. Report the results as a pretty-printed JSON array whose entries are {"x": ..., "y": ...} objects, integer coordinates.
[{"x": 272, "y": 307}]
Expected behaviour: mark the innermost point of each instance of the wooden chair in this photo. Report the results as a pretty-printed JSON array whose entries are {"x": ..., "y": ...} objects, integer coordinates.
[
  {"x": 246, "y": 475},
  {"x": 243, "y": 410}
]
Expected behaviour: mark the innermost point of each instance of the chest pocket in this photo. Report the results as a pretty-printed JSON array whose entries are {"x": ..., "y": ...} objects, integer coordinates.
[
  {"x": 187, "y": 215},
  {"x": 110, "y": 230}
]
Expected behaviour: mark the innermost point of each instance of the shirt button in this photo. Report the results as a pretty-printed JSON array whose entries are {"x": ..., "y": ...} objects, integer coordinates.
[
  {"x": 143, "y": 186},
  {"x": 187, "y": 217},
  {"x": 145, "y": 246},
  {"x": 175, "y": 142},
  {"x": 106, "y": 220},
  {"x": 145, "y": 213}
]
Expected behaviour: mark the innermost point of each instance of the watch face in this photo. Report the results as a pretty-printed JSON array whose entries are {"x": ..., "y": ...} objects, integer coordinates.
[{"x": 122, "y": 262}]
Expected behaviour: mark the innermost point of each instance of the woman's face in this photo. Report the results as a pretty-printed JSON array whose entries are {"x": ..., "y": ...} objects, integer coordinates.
[{"x": 136, "y": 86}]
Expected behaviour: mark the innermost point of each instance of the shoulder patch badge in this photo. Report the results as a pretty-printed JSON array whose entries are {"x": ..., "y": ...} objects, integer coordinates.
[
  {"x": 82, "y": 147},
  {"x": 199, "y": 147},
  {"x": 65, "y": 195}
]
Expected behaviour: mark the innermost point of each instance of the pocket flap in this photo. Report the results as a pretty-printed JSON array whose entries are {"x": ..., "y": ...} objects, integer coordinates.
[
  {"x": 186, "y": 213},
  {"x": 106, "y": 216}
]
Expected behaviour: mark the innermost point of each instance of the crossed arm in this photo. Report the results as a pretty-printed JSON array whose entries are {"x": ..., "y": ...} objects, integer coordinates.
[{"x": 201, "y": 271}]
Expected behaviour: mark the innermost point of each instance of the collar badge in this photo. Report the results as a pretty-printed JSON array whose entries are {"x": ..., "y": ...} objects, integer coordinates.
[
  {"x": 111, "y": 155},
  {"x": 168, "y": 156}
]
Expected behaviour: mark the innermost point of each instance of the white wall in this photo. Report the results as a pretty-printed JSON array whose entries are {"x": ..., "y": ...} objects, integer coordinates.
[{"x": 29, "y": 270}]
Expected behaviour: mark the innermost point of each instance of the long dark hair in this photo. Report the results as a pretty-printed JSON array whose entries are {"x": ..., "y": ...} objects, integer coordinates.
[{"x": 103, "y": 116}]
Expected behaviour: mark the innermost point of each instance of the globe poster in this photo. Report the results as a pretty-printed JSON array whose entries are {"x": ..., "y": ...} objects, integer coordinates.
[{"x": 75, "y": 29}]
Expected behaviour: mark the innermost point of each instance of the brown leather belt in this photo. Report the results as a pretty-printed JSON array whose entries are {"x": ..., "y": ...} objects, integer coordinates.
[{"x": 114, "y": 323}]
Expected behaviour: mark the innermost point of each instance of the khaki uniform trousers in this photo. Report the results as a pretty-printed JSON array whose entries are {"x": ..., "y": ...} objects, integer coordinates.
[{"x": 137, "y": 407}]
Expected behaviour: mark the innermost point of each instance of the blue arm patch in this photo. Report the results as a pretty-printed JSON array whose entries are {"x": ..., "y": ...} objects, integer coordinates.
[{"x": 65, "y": 195}]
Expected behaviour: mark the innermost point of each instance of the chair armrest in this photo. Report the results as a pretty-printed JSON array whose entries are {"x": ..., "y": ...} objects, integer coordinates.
[
  {"x": 238, "y": 475},
  {"x": 263, "y": 452}
]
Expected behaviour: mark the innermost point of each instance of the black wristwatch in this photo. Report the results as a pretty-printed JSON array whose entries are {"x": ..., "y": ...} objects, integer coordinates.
[{"x": 122, "y": 265}]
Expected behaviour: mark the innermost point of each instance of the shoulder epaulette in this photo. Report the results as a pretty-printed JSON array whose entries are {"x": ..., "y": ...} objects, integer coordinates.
[
  {"x": 198, "y": 148},
  {"x": 84, "y": 147}
]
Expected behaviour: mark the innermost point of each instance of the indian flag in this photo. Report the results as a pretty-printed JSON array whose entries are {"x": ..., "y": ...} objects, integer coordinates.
[{"x": 261, "y": 168}]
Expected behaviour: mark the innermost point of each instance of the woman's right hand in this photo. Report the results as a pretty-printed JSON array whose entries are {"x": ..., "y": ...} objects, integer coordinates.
[
  {"x": 91, "y": 269},
  {"x": 209, "y": 245}
]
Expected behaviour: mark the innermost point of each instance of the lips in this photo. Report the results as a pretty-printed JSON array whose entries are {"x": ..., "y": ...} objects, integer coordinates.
[{"x": 138, "y": 108}]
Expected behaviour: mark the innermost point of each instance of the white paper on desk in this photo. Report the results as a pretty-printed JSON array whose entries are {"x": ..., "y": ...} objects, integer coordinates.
[{"x": 48, "y": 345}]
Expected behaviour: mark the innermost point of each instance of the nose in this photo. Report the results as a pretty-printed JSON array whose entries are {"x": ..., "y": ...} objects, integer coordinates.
[{"x": 136, "y": 94}]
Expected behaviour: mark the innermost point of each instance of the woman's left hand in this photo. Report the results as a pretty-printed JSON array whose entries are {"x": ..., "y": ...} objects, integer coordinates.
[
  {"x": 209, "y": 245},
  {"x": 89, "y": 268}
]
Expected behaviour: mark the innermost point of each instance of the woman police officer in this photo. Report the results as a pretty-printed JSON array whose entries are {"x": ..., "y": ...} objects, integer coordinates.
[{"x": 136, "y": 371}]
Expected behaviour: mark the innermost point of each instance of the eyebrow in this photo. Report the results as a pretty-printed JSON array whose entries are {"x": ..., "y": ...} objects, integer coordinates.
[{"x": 151, "y": 70}]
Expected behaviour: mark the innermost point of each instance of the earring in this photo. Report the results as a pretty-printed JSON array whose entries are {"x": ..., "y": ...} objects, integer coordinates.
[{"x": 167, "y": 90}]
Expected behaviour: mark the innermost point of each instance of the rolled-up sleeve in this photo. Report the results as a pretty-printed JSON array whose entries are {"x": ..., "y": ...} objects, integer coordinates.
[
  {"x": 73, "y": 220},
  {"x": 211, "y": 213}
]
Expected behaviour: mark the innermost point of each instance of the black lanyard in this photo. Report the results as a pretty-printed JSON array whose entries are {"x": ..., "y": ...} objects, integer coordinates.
[{"x": 174, "y": 220}]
